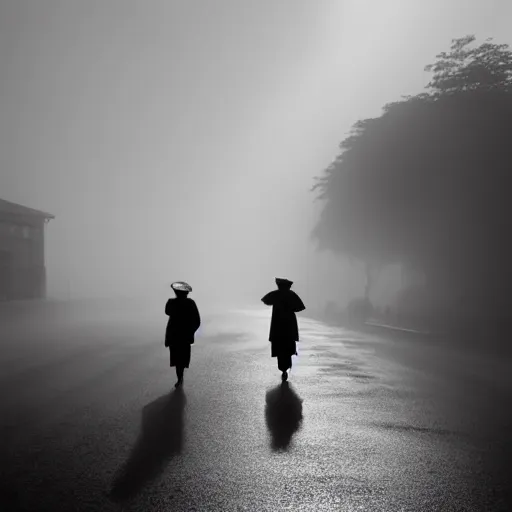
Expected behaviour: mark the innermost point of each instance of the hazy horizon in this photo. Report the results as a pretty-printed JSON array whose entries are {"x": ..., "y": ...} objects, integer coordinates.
[{"x": 180, "y": 140}]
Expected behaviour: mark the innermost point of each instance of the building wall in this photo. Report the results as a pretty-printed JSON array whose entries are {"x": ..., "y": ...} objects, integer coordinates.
[{"x": 22, "y": 267}]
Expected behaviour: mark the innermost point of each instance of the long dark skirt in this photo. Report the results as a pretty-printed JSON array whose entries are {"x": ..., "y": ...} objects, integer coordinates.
[
  {"x": 283, "y": 348},
  {"x": 284, "y": 352},
  {"x": 180, "y": 355},
  {"x": 284, "y": 363}
]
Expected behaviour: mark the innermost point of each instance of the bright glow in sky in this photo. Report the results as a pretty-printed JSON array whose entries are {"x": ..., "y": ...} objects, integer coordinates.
[{"x": 179, "y": 140}]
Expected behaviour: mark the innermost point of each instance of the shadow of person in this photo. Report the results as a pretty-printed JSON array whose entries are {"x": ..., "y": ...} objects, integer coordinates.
[
  {"x": 161, "y": 438},
  {"x": 283, "y": 413}
]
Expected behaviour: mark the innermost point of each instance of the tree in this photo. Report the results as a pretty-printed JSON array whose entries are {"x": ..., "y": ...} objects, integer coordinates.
[
  {"x": 486, "y": 67},
  {"x": 427, "y": 183}
]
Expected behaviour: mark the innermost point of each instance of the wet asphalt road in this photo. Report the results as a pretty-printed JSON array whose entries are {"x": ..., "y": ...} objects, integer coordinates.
[{"x": 90, "y": 420}]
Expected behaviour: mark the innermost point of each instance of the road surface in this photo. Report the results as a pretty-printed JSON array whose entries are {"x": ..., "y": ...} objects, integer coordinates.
[{"x": 90, "y": 419}]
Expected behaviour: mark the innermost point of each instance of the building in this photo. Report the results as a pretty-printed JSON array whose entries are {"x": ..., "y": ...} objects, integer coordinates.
[{"x": 22, "y": 261}]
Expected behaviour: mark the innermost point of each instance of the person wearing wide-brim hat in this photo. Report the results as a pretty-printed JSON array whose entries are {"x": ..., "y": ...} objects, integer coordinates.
[
  {"x": 184, "y": 320},
  {"x": 284, "y": 330}
]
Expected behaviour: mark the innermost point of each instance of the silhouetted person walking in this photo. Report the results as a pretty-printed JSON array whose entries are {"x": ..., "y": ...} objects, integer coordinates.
[
  {"x": 184, "y": 320},
  {"x": 284, "y": 331}
]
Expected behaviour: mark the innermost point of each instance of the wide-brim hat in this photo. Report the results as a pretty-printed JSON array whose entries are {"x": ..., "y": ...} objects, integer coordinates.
[
  {"x": 283, "y": 281},
  {"x": 181, "y": 286}
]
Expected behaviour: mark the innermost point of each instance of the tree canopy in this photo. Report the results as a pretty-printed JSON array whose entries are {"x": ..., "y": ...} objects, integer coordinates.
[{"x": 427, "y": 183}]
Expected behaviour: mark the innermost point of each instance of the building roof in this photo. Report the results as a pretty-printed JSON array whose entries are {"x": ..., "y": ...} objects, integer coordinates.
[{"x": 18, "y": 209}]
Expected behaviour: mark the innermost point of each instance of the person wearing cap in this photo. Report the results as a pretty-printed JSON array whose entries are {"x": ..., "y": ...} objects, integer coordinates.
[
  {"x": 284, "y": 330},
  {"x": 184, "y": 320}
]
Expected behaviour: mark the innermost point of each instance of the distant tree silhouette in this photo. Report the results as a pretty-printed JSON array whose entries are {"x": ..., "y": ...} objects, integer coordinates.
[
  {"x": 465, "y": 68},
  {"x": 427, "y": 184}
]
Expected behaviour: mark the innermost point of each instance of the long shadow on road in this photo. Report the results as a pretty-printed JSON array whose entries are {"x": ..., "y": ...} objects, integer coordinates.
[
  {"x": 283, "y": 413},
  {"x": 160, "y": 439}
]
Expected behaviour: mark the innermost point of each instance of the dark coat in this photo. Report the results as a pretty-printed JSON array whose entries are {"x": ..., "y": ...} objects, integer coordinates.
[
  {"x": 184, "y": 320},
  {"x": 283, "y": 326}
]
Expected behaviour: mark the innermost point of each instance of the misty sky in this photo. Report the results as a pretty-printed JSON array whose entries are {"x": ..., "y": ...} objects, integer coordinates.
[{"x": 179, "y": 139}]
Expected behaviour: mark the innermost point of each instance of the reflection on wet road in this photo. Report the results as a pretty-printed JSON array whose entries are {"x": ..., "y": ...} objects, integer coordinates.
[{"x": 93, "y": 421}]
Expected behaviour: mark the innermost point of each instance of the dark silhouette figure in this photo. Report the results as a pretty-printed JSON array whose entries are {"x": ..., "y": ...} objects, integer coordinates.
[
  {"x": 184, "y": 320},
  {"x": 161, "y": 438},
  {"x": 284, "y": 331},
  {"x": 283, "y": 413}
]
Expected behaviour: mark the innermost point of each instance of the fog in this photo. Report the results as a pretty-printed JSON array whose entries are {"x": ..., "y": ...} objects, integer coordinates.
[{"x": 179, "y": 140}]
